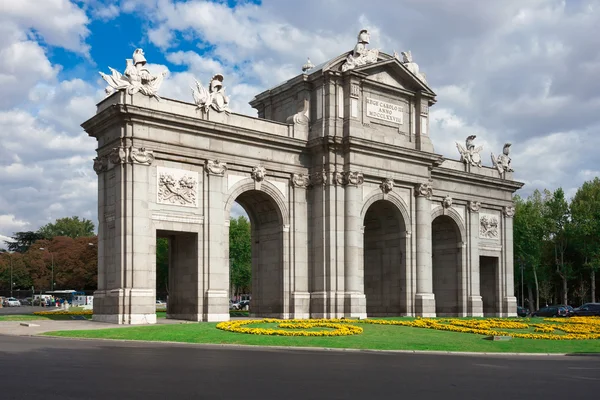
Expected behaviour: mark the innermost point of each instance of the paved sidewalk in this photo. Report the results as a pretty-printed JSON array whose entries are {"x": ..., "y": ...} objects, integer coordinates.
[{"x": 14, "y": 328}]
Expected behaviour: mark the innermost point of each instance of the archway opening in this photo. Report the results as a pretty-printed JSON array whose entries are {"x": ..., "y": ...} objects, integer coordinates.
[
  {"x": 176, "y": 274},
  {"x": 446, "y": 261},
  {"x": 385, "y": 260},
  {"x": 488, "y": 281},
  {"x": 266, "y": 236}
]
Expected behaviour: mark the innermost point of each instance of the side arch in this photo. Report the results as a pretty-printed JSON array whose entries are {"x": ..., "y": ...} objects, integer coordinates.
[
  {"x": 393, "y": 198},
  {"x": 266, "y": 187},
  {"x": 456, "y": 217}
]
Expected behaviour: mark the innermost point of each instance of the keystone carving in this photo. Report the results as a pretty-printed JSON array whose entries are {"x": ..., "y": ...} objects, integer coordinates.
[
  {"x": 447, "y": 202},
  {"x": 215, "y": 167},
  {"x": 387, "y": 185},
  {"x": 258, "y": 173}
]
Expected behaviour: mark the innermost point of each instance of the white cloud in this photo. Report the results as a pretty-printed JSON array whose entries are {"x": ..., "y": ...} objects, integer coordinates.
[{"x": 59, "y": 22}]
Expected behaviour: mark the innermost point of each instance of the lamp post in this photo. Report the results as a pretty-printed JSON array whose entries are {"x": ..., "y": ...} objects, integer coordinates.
[
  {"x": 52, "y": 276},
  {"x": 522, "y": 292}
]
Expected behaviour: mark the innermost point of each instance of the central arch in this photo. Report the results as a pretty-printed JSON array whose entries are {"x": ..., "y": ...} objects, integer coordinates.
[
  {"x": 267, "y": 221},
  {"x": 385, "y": 249}
]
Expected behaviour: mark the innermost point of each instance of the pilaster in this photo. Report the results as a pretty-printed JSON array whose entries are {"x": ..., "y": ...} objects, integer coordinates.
[
  {"x": 217, "y": 297},
  {"x": 424, "y": 298},
  {"x": 474, "y": 301}
]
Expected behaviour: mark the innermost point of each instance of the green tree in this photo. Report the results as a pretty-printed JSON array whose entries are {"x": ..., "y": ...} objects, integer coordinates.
[
  {"x": 556, "y": 216},
  {"x": 528, "y": 242},
  {"x": 585, "y": 211},
  {"x": 162, "y": 264},
  {"x": 240, "y": 255},
  {"x": 23, "y": 240},
  {"x": 72, "y": 227}
]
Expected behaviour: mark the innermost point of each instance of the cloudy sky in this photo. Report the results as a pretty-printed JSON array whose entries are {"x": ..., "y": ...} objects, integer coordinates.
[{"x": 524, "y": 71}]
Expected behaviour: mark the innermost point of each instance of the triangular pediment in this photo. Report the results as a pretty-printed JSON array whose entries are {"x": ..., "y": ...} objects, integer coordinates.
[{"x": 387, "y": 70}]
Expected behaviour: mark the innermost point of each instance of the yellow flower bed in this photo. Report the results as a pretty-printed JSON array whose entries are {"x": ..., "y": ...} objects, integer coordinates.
[
  {"x": 576, "y": 328},
  {"x": 63, "y": 312},
  {"x": 296, "y": 326}
]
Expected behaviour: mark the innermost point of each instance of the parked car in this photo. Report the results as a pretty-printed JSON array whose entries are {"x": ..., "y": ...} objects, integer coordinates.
[
  {"x": 552, "y": 311},
  {"x": 587, "y": 310},
  {"x": 160, "y": 303},
  {"x": 12, "y": 302},
  {"x": 522, "y": 311},
  {"x": 25, "y": 302}
]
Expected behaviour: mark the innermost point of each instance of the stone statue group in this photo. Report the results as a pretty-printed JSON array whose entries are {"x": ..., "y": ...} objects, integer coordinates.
[
  {"x": 470, "y": 155},
  {"x": 137, "y": 78}
]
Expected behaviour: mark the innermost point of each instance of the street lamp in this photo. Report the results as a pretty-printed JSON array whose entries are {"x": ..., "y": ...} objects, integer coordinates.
[
  {"x": 52, "y": 277},
  {"x": 522, "y": 292}
]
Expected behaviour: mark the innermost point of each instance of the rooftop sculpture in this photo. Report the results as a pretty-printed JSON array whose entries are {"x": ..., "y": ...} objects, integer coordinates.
[
  {"x": 136, "y": 78},
  {"x": 470, "y": 155},
  {"x": 214, "y": 97},
  {"x": 502, "y": 162},
  {"x": 361, "y": 55},
  {"x": 412, "y": 66}
]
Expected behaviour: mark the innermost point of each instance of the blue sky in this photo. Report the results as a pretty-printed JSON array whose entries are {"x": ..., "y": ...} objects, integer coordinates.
[{"x": 523, "y": 71}]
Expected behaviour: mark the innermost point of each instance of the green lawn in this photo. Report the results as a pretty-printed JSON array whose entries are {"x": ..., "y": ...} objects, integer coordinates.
[{"x": 374, "y": 337}]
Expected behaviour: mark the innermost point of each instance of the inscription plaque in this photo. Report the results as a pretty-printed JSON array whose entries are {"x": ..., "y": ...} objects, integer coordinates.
[{"x": 384, "y": 111}]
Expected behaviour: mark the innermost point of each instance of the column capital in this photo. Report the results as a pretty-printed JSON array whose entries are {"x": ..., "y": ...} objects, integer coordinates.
[
  {"x": 353, "y": 178},
  {"x": 474, "y": 206},
  {"x": 300, "y": 180},
  {"x": 215, "y": 167},
  {"x": 508, "y": 211},
  {"x": 424, "y": 190}
]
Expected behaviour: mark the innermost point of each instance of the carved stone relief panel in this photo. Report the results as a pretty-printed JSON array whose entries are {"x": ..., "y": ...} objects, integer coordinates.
[
  {"x": 177, "y": 187},
  {"x": 488, "y": 226}
]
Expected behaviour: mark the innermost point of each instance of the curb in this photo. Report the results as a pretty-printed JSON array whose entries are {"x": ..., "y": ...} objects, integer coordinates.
[{"x": 319, "y": 349}]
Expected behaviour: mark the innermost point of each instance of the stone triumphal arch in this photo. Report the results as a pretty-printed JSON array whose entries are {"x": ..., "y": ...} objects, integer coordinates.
[{"x": 352, "y": 212}]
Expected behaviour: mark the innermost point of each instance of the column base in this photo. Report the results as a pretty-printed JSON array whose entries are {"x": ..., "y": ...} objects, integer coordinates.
[
  {"x": 355, "y": 305},
  {"x": 425, "y": 305},
  {"x": 327, "y": 305},
  {"x": 300, "y": 305},
  {"x": 475, "y": 306},
  {"x": 217, "y": 306},
  {"x": 509, "y": 307},
  {"x": 125, "y": 306}
]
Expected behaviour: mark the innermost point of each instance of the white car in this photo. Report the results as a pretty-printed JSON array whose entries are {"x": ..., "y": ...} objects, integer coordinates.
[{"x": 12, "y": 302}]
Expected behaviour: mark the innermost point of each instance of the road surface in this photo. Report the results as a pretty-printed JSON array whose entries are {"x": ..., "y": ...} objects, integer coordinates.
[{"x": 48, "y": 368}]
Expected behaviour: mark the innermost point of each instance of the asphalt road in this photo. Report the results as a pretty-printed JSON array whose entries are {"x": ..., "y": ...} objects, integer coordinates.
[{"x": 47, "y": 368}]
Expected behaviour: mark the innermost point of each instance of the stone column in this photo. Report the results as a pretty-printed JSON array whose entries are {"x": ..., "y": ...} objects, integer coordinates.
[
  {"x": 217, "y": 295},
  {"x": 474, "y": 301},
  {"x": 509, "y": 301},
  {"x": 355, "y": 301},
  {"x": 424, "y": 298},
  {"x": 128, "y": 289},
  {"x": 300, "y": 307}
]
